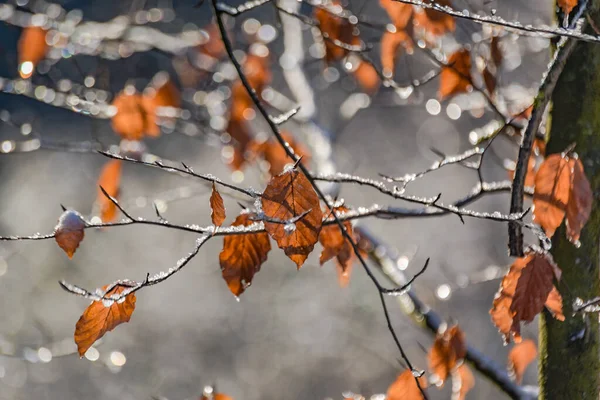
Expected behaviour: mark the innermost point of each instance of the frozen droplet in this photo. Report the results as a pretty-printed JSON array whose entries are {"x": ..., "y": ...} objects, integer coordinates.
[
  {"x": 289, "y": 228},
  {"x": 417, "y": 373}
]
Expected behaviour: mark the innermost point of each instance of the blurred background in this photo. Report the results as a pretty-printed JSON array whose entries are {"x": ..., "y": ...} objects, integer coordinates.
[{"x": 293, "y": 334}]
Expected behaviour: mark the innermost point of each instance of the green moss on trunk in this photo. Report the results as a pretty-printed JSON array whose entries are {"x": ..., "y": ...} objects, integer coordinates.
[{"x": 569, "y": 350}]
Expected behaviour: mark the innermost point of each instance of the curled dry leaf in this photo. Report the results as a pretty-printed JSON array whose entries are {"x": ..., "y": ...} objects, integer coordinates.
[
  {"x": 462, "y": 382},
  {"x": 579, "y": 206},
  {"x": 399, "y": 13},
  {"x": 69, "y": 231},
  {"x": 448, "y": 350},
  {"x": 32, "y": 48},
  {"x": 405, "y": 387},
  {"x": 100, "y": 318},
  {"x": 567, "y": 5},
  {"x": 519, "y": 357},
  {"x": 434, "y": 22},
  {"x": 391, "y": 42},
  {"x": 110, "y": 180},
  {"x": 333, "y": 241},
  {"x": 217, "y": 208},
  {"x": 524, "y": 291},
  {"x": 455, "y": 77},
  {"x": 242, "y": 255},
  {"x": 287, "y": 196},
  {"x": 551, "y": 195}
]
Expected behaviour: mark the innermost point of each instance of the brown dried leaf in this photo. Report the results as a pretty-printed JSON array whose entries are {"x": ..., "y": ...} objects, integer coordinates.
[
  {"x": 390, "y": 45},
  {"x": 551, "y": 195},
  {"x": 333, "y": 241},
  {"x": 32, "y": 48},
  {"x": 335, "y": 28},
  {"x": 524, "y": 291},
  {"x": 69, "y": 231},
  {"x": 554, "y": 304},
  {"x": 97, "y": 319},
  {"x": 405, "y": 387},
  {"x": 216, "y": 396},
  {"x": 455, "y": 78},
  {"x": 367, "y": 77},
  {"x": 289, "y": 195},
  {"x": 462, "y": 382},
  {"x": 434, "y": 22},
  {"x": 519, "y": 357},
  {"x": 448, "y": 349},
  {"x": 344, "y": 272},
  {"x": 399, "y": 13},
  {"x": 242, "y": 255},
  {"x": 272, "y": 152},
  {"x": 567, "y": 5},
  {"x": 217, "y": 208},
  {"x": 162, "y": 92},
  {"x": 579, "y": 206},
  {"x": 110, "y": 180},
  {"x": 131, "y": 120}
]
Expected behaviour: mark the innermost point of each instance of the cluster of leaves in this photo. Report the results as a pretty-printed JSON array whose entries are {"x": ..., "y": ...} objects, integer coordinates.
[
  {"x": 447, "y": 361},
  {"x": 292, "y": 215},
  {"x": 561, "y": 190}
]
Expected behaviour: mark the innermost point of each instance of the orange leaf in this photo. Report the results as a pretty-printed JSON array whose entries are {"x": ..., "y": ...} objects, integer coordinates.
[
  {"x": 335, "y": 28},
  {"x": 69, "y": 231},
  {"x": 434, "y": 22},
  {"x": 524, "y": 291},
  {"x": 344, "y": 271},
  {"x": 462, "y": 382},
  {"x": 32, "y": 48},
  {"x": 333, "y": 241},
  {"x": 98, "y": 319},
  {"x": 217, "y": 208},
  {"x": 367, "y": 77},
  {"x": 554, "y": 304},
  {"x": 551, "y": 195},
  {"x": 567, "y": 5},
  {"x": 399, "y": 13},
  {"x": 287, "y": 196},
  {"x": 161, "y": 92},
  {"x": 455, "y": 78},
  {"x": 520, "y": 357},
  {"x": 272, "y": 152},
  {"x": 131, "y": 120},
  {"x": 242, "y": 255},
  {"x": 390, "y": 44},
  {"x": 447, "y": 351},
  {"x": 579, "y": 206},
  {"x": 213, "y": 47},
  {"x": 216, "y": 396},
  {"x": 405, "y": 387},
  {"x": 110, "y": 180}
]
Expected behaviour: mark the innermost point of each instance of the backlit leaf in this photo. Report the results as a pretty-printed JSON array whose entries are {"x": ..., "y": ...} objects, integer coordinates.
[
  {"x": 433, "y": 22},
  {"x": 242, "y": 255},
  {"x": 333, "y": 241},
  {"x": 273, "y": 153},
  {"x": 391, "y": 44},
  {"x": 217, "y": 208},
  {"x": 367, "y": 77},
  {"x": 99, "y": 318},
  {"x": 579, "y": 206},
  {"x": 131, "y": 120},
  {"x": 335, "y": 28},
  {"x": 554, "y": 304},
  {"x": 161, "y": 92},
  {"x": 455, "y": 78},
  {"x": 405, "y": 387},
  {"x": 523, "y": 293},
  {"x": 110, "y": 180},
  {"x": 69, "y": 231},
  {"x": 567, "y": 5},
  {"x": 287, "y": 196},
  {"x": 447, "y": 352},
  {"x": 519, "y": 357},
  {"x": 32, "y": 48},
  {"x": 399, "y": 13},
  {"x": 462, "y": 382},
  {"x": 551, "y": 195}
]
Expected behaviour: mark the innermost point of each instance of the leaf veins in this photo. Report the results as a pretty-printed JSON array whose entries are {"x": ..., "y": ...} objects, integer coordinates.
[
  {"x": 98, "y": 319},
  {"x": 447, "y": 352},
  {"x": 455, "y": 78},
  {"x": 287, "y": 196},
  {"x": 242, "y": 255}
]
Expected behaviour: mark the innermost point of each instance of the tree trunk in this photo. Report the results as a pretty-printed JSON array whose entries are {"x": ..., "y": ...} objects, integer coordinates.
[{"x": 569, "y": 365}]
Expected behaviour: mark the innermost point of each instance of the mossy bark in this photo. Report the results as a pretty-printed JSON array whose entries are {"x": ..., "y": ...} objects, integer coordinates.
[{"x": 569, "y": 366}]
